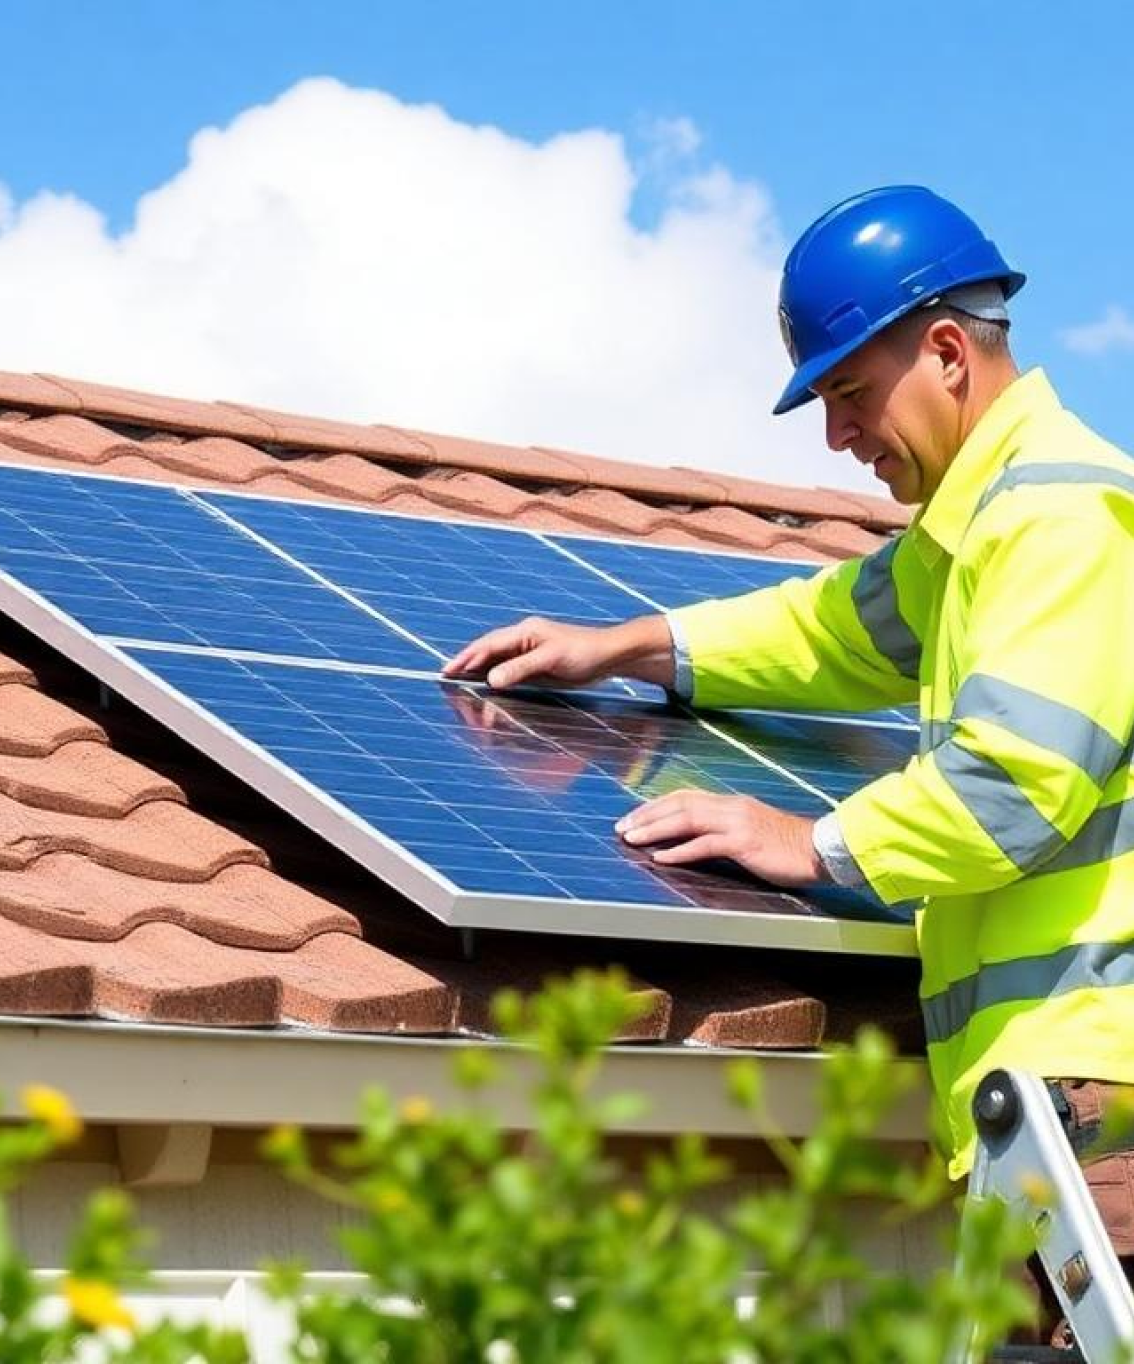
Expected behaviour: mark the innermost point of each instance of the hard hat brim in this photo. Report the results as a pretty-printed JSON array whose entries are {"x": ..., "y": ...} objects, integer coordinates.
[{"x": 800, "y": 388}]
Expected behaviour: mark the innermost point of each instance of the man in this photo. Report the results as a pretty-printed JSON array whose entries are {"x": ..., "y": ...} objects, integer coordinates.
[{"x": 1001, "y": 610}]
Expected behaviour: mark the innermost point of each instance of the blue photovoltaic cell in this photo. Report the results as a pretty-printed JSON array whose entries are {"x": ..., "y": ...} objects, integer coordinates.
[
  {"x": 447, "y": 583},
  {"x": 671, "y": 578},
  {"x": 837, "y": 756},
  {"x": 444, "y": 582},
  {"x": 679, "y": 577},
  {"x": 148, "y": 562},
  {"x": 510, "y": 796}
]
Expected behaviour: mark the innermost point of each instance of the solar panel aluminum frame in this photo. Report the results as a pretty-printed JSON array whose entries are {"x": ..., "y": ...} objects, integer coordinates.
[{"x": 395, "y": 864}]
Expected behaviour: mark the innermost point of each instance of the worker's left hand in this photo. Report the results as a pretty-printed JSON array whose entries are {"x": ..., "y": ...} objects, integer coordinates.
[{"x": 698, "y": 824}]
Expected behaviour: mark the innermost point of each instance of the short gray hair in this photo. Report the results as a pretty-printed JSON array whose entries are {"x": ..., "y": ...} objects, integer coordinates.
[{"x": 989, "y": 338}]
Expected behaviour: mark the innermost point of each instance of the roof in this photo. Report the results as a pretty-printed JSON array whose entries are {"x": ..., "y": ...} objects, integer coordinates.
[{"x": 139, "y": 882}]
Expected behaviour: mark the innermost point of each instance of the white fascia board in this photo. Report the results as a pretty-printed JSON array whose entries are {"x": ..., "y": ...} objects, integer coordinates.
[{"x": 123, "y": 1073}]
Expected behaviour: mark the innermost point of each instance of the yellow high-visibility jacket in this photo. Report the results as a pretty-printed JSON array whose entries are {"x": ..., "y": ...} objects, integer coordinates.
[{"x": 1007, "y": 611}]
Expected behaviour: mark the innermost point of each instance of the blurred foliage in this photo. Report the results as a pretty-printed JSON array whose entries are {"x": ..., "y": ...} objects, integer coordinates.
[{"x": 487, "y": 1246}]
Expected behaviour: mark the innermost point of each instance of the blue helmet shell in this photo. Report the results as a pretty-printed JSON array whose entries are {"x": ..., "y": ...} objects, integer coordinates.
[{"x": 865, "y": 263}]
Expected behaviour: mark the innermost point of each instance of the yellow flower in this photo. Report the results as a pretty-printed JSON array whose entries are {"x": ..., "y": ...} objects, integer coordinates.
[
  {"x": 416, "y": 1110},
  {"x": 54, "y": 1110},
  {"x": 283, "y": 1142},
  {"x": 390, "y": 1200},
  {"x": 96, "y": 1304},
  {"x": 629, "y": 1203}
]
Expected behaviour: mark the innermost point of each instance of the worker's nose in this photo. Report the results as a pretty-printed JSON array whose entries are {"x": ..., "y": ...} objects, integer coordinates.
[{"x": 842, "y": 429}]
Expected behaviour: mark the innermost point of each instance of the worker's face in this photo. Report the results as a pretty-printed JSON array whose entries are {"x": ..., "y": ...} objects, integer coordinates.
[{"x": 892, "y": 404}]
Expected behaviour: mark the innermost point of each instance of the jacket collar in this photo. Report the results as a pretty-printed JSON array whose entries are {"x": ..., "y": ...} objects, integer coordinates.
[{"x": 988, "y": 447}]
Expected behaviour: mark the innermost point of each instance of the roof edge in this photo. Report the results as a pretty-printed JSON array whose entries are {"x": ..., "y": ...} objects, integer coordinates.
[
  {"x": 534, "y": 464},
  {"x": 196, "y": 1075}
]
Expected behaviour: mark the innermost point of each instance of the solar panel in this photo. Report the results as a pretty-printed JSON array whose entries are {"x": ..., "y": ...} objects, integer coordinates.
[{"x": 298, "y": 644}]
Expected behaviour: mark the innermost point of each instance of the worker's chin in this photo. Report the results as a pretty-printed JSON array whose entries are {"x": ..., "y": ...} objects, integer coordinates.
[{"x": 899, "y": 477}]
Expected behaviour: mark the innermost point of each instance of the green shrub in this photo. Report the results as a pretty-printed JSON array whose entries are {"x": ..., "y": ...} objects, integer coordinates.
[{"x": 488, "y": 1247}]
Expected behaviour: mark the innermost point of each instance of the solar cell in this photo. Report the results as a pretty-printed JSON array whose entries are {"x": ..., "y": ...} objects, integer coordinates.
[
  {"x": 280, "y": 637},
  {"x": 445, "y": 582},
  {"x": 673, "y": 577}
]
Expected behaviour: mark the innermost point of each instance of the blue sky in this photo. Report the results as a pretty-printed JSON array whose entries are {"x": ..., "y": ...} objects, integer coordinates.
[{"x": 1021, "y": 112}]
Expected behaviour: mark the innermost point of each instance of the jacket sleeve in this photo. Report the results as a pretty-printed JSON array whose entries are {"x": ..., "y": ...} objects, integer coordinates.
[
  {"x": 1041, "y": 721},
  {"x": 844, "y": 639}
]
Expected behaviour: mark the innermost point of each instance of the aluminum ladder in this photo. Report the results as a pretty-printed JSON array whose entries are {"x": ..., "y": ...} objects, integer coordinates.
[{"x": 1023, "y": 1154}]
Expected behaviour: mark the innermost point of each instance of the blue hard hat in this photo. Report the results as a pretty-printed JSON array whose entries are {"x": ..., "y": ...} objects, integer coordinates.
[{"x": 867, "y": 262}]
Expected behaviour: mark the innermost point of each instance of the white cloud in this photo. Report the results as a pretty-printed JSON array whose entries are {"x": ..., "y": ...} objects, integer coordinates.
[
  {"x": 1113, "y": 331},
  {"x": 343, "y": 254}
]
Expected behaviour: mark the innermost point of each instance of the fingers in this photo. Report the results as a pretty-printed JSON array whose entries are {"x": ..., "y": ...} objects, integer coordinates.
[
  {"x": 698, "y": 849},
  {"x": 539, "y": 662},
  {"x": 534, "y": 650},
  {"x": 694, "y": 826},
  {"x": 649, "y": 825},
  {"x": 688, "y": 829},
  {"x": 478, "y": 657}
]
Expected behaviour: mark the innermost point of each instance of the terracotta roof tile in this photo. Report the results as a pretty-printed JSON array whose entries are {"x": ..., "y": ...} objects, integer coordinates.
[
  {"x": 501, "y": 461},
  {"x": 162, "y": 840},
  {"x": 66, "y": 437},
  {"x": 212, "y": 457},
  {"x": 840, "y": 539},
  {"x": 736, "y": 529},
  {"x": 39, "y": 974},
  {"x": 316, "y": 433},
  {"x": 879, "y": 512},
  {"x": 160, "y": 413},
  {"x": 83, "y": 777},
  {"x": 161, "y": 973},
  {"x": 34, "y": 725},
  {"x": 526, "y": 965},
  {"x": 243, "y": 906},
  {"x": 474, "y": 494},
  {"x": 12, "y": 670},
  {"x": 814, "y": 503},
  {"x": 646, "y": 480},
  {"x": 348, "y": 477},
  {"x": 602, "y": 509},
  {"x": 747, "y": 1012},
  {"x": 37, "y": 391}
]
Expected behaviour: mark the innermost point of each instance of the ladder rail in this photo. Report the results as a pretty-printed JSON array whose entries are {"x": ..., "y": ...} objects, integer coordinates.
[{"x": 1024, "y": 1157}]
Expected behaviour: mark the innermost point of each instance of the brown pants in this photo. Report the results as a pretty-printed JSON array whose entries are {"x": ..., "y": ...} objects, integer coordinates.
[{"x": 1110, "y": 1179}]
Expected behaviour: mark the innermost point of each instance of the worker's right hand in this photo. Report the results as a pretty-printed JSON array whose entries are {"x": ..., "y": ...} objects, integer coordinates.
[{"x": 538, "y": 651}]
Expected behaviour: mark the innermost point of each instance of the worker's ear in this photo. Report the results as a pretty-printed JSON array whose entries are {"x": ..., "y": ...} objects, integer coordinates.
[{"x": 948, "y": 345}]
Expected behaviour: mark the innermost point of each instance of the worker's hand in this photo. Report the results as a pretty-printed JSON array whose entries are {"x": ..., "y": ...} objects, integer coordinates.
[
  {"x": 535, "y": 650},
  {"x": 696, "y": 825},
  {"x": 555, "y": 653}
]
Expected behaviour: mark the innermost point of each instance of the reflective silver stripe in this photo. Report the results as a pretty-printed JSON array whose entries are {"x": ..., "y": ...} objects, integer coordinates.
[
  {"x": 875, "y": 598},
  {"x": 932, "y": 733},
  {"x": 1041, "y": 721},
  {"x": 1107, "y": 834},
  {"x": 1035, "y": 475},
  {"x": 1101, "y": 965},
  {"x": 998, "y": 805}
]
